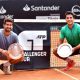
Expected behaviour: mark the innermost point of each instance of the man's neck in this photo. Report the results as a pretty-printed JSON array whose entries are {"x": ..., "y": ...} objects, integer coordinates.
[
  {"x": 6, "y": 33},
  {"x": 70, "y": 26}
]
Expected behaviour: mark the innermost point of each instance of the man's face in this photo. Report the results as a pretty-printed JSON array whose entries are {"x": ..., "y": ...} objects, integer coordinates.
[
  {"x": 69, "y": 19},
  {"x": 8, "y": 26}
]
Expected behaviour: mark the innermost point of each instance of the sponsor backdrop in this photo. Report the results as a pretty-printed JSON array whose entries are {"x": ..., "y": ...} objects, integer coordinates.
[
  {"x": 32, "y": 9},
  {"x": 35, "y": 40},
  {"x": 35, "y": 37}
]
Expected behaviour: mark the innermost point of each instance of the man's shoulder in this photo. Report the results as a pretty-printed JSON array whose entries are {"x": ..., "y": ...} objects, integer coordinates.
[
  {"x": 13, "y": 33},
  {"x": 1, "y": 30},
  {"x": 78, "y": 25},
  {"x": 64, "y": 27}
]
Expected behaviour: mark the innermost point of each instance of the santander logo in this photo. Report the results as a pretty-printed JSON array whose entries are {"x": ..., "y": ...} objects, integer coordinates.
[
  {"x": 2, "y": 10},
  {"x": 26, "y": 8}
]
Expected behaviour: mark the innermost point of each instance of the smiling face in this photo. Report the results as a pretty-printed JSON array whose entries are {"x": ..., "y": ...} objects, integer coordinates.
[
  {"x": 69, "y": 19},
  {"x": 8, "y": 26}
]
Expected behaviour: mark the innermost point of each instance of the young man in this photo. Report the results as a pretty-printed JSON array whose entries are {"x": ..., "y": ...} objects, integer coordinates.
[
  {"x": 71, "y": 31},
  {"x": 7, "y": 37}
]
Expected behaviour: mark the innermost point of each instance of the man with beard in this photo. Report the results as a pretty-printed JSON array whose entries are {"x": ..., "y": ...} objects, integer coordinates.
[{"x": 7, "y": 37}]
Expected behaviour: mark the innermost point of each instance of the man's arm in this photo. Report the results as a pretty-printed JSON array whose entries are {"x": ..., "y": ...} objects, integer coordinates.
[
  {"x": 77, "y": 47},
  {"x": 60, "y": 42},
  {"x": 4, "y": 52}
]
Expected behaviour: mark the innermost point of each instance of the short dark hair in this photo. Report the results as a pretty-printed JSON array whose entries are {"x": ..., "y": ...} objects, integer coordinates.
[
  {"x": 69, "y": 12},
  {"x": 8, "y": 19}
]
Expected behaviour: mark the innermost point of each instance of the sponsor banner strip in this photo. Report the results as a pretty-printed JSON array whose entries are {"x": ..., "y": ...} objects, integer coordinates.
[{"x": 44, "y": 20}]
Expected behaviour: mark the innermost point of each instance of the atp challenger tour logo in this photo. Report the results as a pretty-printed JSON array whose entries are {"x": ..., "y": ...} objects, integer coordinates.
[{"x": 32, "y": 42}]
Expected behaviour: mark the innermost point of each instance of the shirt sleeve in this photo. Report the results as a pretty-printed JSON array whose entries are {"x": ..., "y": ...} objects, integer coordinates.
[
  {"x": 16, "y": 39},
  {"x": 62, "y": 34}
]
